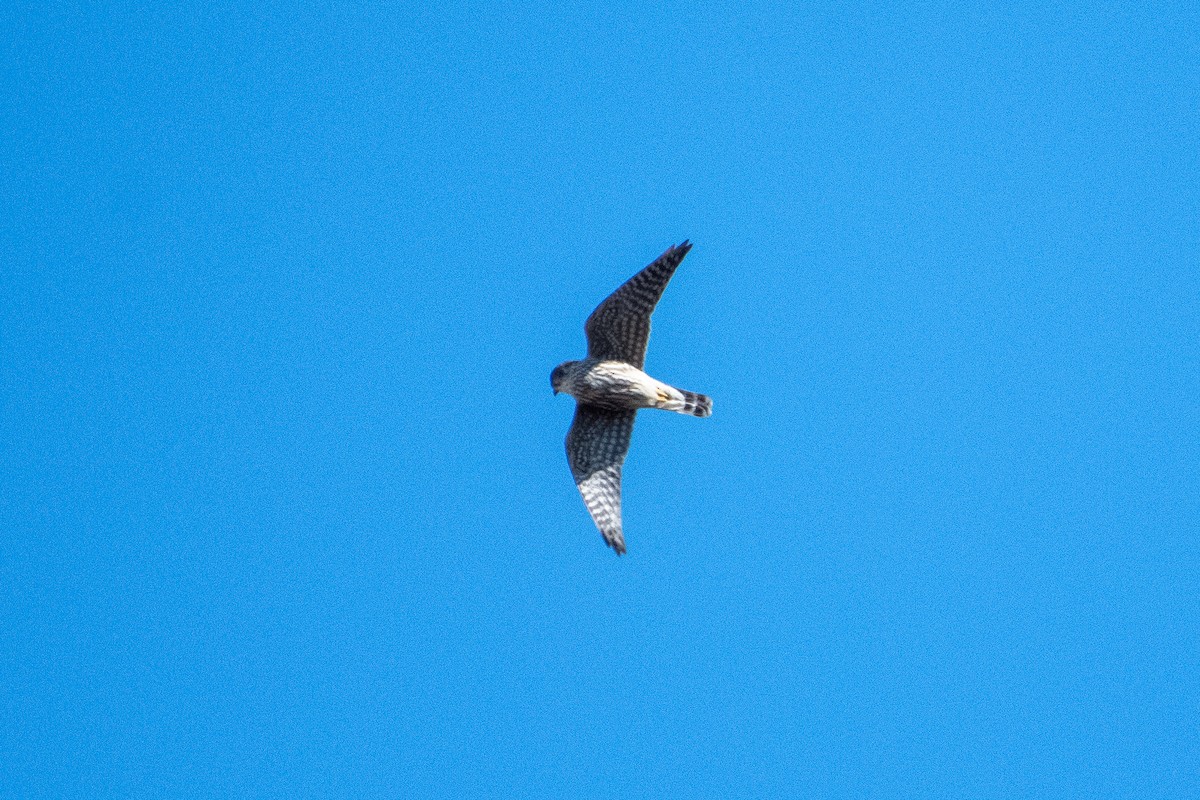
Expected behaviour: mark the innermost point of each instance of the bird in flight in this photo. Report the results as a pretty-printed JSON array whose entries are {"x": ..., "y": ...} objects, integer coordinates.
[{"x": 609, "y": 387}]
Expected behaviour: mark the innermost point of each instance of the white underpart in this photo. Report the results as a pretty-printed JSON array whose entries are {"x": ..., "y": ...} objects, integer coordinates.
[{"x": 619, "y": 384}]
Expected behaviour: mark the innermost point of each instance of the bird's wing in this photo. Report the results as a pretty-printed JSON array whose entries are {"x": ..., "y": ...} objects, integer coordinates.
[
  {"x": 596, "y": 448},
  {"x": 619, "y": 328}
]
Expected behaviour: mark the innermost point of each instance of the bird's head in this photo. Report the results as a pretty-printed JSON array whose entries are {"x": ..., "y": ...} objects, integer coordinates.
[{"x": 559, "y": 376}]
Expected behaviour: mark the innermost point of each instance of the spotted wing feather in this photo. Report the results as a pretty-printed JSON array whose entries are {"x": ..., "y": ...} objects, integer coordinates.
[
  {"x": 596, "y": 448},
  {"x": 619, "y": 328}
]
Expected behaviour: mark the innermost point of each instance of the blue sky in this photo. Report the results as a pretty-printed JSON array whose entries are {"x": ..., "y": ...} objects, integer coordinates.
[{"x": 285, "y": 504}]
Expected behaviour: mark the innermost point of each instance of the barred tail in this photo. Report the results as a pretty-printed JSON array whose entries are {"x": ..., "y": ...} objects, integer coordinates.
[{"x": 698, "y": 405}]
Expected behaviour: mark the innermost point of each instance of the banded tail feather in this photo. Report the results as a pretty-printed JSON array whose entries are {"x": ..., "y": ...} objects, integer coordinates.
[
  {"x": 698, "y": 405},
  {"x": 694, "y": 403}
]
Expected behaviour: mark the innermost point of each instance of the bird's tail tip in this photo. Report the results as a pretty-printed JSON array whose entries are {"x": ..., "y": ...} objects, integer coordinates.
[{"x": 698, "y": 405}]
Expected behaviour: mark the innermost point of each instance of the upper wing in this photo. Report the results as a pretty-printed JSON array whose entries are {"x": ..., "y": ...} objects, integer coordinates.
[
  {"x": 619, "y": 328},
  {"x": 596, "y": 448}
]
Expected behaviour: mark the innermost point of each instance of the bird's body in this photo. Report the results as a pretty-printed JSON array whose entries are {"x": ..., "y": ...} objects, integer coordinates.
[
  {"x": 616, "y": 385},
  {"x": 609, "y": 387}
]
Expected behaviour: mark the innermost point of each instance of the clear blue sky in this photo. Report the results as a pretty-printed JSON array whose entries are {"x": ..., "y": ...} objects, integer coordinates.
[{"x": 284, "y": 501}]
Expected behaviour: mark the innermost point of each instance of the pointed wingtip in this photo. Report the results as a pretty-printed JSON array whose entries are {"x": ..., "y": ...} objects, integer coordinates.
[{"x": 675, "y": 253}]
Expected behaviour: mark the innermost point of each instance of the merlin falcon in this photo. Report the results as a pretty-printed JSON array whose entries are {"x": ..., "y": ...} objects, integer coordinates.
[{"x": 609, "y": 387}]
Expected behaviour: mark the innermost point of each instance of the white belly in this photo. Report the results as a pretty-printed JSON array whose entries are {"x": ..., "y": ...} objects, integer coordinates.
[{"x": 618, "y": 385}]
